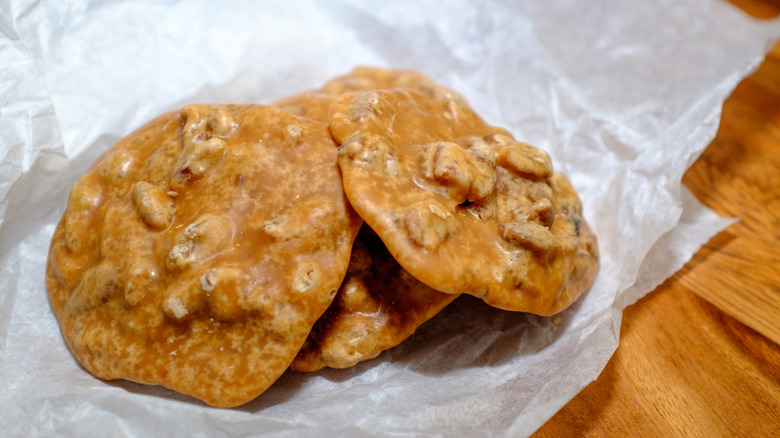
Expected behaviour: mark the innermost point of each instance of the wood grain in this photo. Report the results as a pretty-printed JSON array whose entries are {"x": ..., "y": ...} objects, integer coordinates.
[
  {"x": 683, "y": 368},
  {"x": 699, "y": 356},
  {"x": 739, "y": 175}
]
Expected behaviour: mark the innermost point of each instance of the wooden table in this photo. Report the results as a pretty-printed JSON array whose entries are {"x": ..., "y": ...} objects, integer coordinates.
[{"x": 700, "y": 355}]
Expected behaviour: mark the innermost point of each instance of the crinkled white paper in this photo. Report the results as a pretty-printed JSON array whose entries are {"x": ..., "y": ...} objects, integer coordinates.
[{"x": 623, "y": 94}]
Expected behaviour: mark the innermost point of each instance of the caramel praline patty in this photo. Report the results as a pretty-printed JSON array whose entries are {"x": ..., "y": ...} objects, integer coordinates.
[
  {"x": 198, "y": 252},
  {"x": 461, "y": 205}
]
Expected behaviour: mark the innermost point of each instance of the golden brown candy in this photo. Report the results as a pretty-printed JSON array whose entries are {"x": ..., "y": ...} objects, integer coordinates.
[{"x": 199, "y": 251}]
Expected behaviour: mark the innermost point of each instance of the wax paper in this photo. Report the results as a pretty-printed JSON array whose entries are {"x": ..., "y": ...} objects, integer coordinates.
[{"x": 624, "y": 95}]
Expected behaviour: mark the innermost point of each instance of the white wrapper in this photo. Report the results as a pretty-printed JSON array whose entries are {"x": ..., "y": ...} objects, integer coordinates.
[{"x": 623, "y": 94}]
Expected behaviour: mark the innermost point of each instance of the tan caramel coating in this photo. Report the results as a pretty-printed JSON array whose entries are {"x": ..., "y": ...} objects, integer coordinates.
[
  {"x": 311, "y": 104},
  {"x": 315, "y": 104},
  {"x": 378, "y": 306},
  {"x": 198, "y": 252},
  {"x": 461, "y": 205}
]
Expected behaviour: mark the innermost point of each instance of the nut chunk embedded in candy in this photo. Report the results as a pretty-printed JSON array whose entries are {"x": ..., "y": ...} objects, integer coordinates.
[
  {"x": 153, "y": 203},
  {"x": 161, "y": 272}
]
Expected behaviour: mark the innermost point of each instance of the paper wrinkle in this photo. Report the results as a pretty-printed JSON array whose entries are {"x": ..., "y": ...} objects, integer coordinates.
[{"x": 624, "y": 95}]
